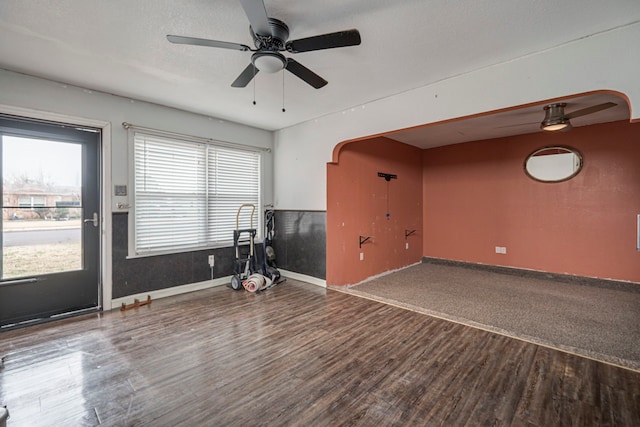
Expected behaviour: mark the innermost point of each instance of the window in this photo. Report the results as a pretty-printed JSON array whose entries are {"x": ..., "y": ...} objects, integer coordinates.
[
  {"x": 31, "y": 202},
  {"x": 187, "y": 194},
  {"x": 67, "y": 203}
]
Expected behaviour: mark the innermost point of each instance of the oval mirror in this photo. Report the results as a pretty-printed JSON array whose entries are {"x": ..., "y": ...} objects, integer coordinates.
[{"x": 553, "y": 164}]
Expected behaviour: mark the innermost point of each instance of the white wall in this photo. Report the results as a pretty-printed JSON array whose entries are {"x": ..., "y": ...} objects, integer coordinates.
[
  {"x": 607, "y": 61},
  {"x": 34, "y": 97},
  {"x": 18, "y": 90}
]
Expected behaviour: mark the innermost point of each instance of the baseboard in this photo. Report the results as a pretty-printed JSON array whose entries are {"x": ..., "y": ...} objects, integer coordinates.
[
  {"x": 303, "y": 278},
  {"x": 537, "y": 274},
  {"x": 172, "y": 291}
]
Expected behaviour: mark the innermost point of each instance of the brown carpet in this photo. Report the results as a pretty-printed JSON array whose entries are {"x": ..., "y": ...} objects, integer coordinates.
[{"x": 597, "y": 321}]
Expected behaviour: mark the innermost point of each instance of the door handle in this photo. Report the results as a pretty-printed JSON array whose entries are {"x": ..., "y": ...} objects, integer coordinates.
[{"x": 93, "y": 220}]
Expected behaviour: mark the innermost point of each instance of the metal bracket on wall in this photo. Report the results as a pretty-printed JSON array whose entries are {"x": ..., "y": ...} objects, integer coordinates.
[
  {"x": 408, "y": 233},
  {"x": 387, "y": 176},
  {"x": 363, "y": 239}
]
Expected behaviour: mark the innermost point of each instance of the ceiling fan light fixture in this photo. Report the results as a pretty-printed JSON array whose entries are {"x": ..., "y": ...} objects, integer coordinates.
[
  {"x": 269, "y": 62},
  {"x": 556, "y": 127},
  {"x": 555, "y": 119}
]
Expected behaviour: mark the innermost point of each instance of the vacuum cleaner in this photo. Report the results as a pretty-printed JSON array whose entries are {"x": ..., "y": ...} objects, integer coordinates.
[{"x": 269, "y": 268}]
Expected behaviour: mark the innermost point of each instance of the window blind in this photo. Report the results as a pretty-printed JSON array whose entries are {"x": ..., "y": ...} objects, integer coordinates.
[{"x": 187, "y": 194}]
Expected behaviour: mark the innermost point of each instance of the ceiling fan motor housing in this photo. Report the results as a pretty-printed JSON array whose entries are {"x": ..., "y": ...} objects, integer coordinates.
[
  {"x": 268, "y": 58},
  {"x": 555, "y": 118},
  {"x": 274, "y": 41}
]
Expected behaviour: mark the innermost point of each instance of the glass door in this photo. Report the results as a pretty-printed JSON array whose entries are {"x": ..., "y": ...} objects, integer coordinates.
[{"x": 50, "y": 240}]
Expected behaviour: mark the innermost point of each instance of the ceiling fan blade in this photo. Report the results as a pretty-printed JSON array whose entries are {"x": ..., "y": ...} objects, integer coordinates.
[
  {"x": 305, "y": 74},
  {"x": 207, "y": 42},
  {"x": 517, "y": 125},
  {"x": 257, "y": 14},
  {"x": 325, "y": 41},
  {"x": 245, "y": 76},
  {"x": 590, "y": 110}
]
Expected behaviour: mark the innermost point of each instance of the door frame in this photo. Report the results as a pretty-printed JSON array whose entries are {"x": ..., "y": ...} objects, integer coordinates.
[{"x": 105, "y": 267}]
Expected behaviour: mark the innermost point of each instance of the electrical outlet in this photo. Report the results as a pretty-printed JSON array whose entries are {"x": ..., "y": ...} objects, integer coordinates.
[
  {"x": 501, "y": 250},
  {"x": 212, "y": 261}
]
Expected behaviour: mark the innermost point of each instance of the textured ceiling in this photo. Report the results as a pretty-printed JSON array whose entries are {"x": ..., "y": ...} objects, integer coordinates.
[{"x": 120, "y": 47}]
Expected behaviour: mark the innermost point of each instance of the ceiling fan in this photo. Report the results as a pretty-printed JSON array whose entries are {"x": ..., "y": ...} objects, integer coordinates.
[
  {"x": 270, "y": 37},
  {"x": 555, "y": 118}
]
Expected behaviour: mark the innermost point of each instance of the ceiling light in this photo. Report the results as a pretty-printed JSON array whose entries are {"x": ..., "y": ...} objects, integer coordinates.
[
  {"x": 555, "y": 119},
  {"x": 556, "y": 126},
  {"x": 268, "y": 62}
]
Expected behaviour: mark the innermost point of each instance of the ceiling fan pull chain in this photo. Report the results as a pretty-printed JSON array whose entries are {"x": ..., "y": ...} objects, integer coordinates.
[
  {"x": 254, "y": 85},
  {"x": 283, "y": 110}
]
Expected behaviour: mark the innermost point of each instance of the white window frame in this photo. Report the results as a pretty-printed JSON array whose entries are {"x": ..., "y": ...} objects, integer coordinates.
[{"x": 209, "y": 146}]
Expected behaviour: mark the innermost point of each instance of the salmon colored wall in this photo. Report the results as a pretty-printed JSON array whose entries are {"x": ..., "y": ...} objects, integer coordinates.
[
  {"x": 357, "y": 205},
  {"x": 476, "y": 196}
]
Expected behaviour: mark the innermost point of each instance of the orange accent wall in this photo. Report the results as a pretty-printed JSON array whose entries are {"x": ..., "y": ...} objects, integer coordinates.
[
  {"x": 358, "y": 201},
  {"x": 476, "y": 197}
]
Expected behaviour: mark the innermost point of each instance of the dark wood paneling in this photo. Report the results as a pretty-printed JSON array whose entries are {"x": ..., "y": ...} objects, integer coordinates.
[
  {"x": 300, "y": 242},
  {"x": 297, "y": 355},
  {"x": 138, "y": 275}
]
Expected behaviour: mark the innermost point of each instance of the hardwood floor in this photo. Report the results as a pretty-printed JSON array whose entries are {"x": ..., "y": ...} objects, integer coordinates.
[{"x": 297, "y": 355}]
